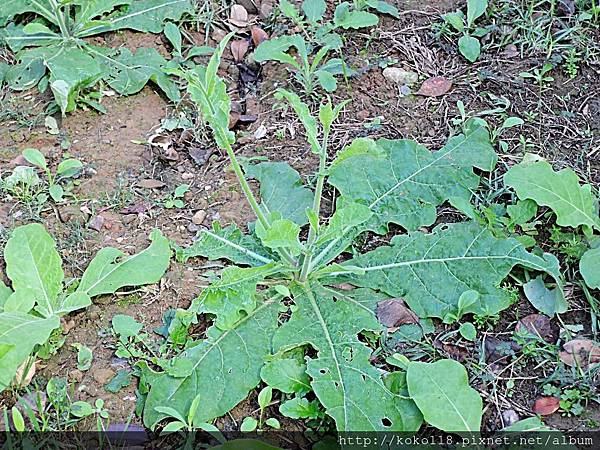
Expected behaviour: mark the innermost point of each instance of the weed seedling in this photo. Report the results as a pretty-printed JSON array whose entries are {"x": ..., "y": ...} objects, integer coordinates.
[
  {"x": 468, "y": 44},
  {"x": 176, "y": 200}
]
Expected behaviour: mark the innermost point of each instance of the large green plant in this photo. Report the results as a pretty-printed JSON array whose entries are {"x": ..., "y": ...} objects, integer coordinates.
[
  {"x": 57, "y": 40},
  {"x": 30, "y": 311},
  {"x": 456, "y": 269}
]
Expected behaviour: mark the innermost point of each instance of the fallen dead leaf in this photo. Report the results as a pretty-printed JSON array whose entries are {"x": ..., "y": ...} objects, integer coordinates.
[
  {"x": 238, "y": 16},
  {"x": 234, "y": 118},
  {"x": 538, "y": 325},
  {"x": 239, "y": 49},
  {"x": 435, "y": 87},
  {"x": 266, "y": 8},
  {"x": 200, "y": 155},
  {"x": 544, "y": 406},
  {"x": 580, "y": 352},
  {"x": 393, "y": 312},
  {"x": 258, "y": 35},
  {"x": 510, "y": 51},
  {"x": 22, "y": 378},
  {"x": 150, "y": 183},
  {"x": 497, "y": 351}
]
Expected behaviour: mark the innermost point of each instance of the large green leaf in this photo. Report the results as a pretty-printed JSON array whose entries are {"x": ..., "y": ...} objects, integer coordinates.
[
  {"x": 91, "y": 9},
  {"x": 143, "y": 15},
  {"x": 12, "y": 8},
  {"x": 19, "y": 334},
  {"x": 17, "y": 39},
  {"x": 431, "y": 271},
  {"x": 589, "y": 266},
  {"x": 572, "y": 203},
  {"x": 131, "y": 72},
  {"x": 221, "y": 370},
  {"x": 111, "y": 269},
  {"x": 282, "y": 190},
  {"x": 352, "y": 391},
  {"x": 441, "y": 391},
  {"x": 228, "y": 243},
  {"x": 402, "y": 182},
  {"x": 33, "y": 264}
]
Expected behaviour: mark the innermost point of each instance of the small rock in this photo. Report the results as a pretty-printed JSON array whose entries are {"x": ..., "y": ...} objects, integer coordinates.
[
  {"x": 193, "y": 228},
  {"x": 187, "y": 176},
  {"x": 199, "y": 217},
  {"x": 96, "y": 223},
  {"x": 103, "y": 376},
  {"x": 509, "y": 417},
  {"x": 400, "y": 76}
]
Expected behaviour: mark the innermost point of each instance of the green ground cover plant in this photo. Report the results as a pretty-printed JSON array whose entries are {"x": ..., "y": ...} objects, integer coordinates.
[
  {"x": 53, "y": 48},
  {"x": 39, "y": 295},
  {"x": 281, "y": 299}
]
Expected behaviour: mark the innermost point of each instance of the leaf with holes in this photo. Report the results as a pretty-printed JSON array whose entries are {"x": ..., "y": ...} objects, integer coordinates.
[
  {"x": 352, "y": 391},
  {"x": 221, "y": 369},
  {"x": 402, "y": 182},
  {"x": 431, "y": 271}
]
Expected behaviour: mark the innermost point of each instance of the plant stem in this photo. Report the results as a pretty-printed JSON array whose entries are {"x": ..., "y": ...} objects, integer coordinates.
[
  {"x": 249, "y": 194},
  {"x": 312, "y": 232}
]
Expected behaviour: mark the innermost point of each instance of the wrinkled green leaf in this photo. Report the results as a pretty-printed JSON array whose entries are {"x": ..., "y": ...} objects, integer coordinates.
[
  {"x": 121, "y": 380},
  {"x": 300, "y": 408},
  {"x": 234, "y": 295},
  {"x": 346, "y": 18},
  {"x": 131, "y": 72},
  {"x": 402, "y": 182},
  {"x": 84, "y": 356},
  {"x": 441, "y": 391},
  {"x": 287, "y": 375},
  {"x": 143, "y": 15},
  {"x": 431, "y": 271},
  {"x": 111, "y": 269},
  {"x": 282, "y": 190},
  {"x": 34, "y": 265},
  {"x": 282, "y": 234},
  {"x": 226, "y": 243},
  {"x": 221, "y": 369},
  {"x": 19, "y": 334},
  {"x": 573, "y": 204},
  {"x": 475, "y": 9},
  {"x": 342, "y": 377},
  {"x": 126, "y": 326}
]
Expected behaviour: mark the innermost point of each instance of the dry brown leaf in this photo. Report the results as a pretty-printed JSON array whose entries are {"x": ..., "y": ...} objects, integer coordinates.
[
  {"x": 238, "y": 16},
  {"x": 580, "y": 352},
  {"x": 239, "y": 49},
  {"x": 150, "y": 183},
  {"x": 544, "y": 406},
  {"x": 258, "y": 35},
  {"x": 21, "y": 378},
  {"x": 538, "y": 325},
  {"x": 435, "y": 87},
  {"x": 266, "y": 8},
  {"x": 393, "y": 312}
]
